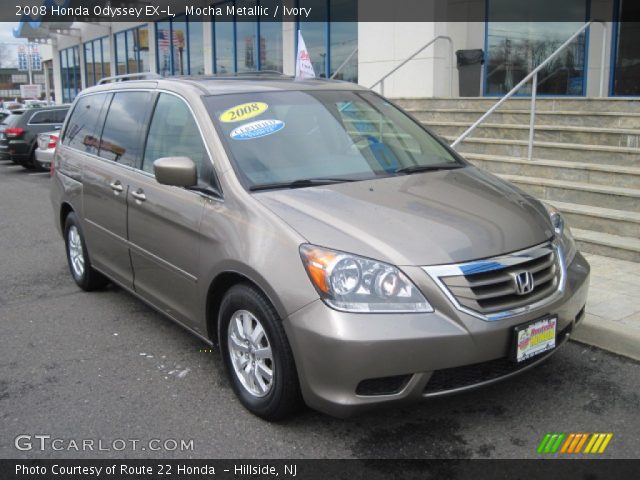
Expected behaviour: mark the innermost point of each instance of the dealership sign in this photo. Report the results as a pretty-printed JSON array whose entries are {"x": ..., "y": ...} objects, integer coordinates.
[{"x": 30, "y": 91}]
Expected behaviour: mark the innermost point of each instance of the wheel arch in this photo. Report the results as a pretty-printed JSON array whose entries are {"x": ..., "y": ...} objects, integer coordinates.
[{"x": 219, "y": 286}]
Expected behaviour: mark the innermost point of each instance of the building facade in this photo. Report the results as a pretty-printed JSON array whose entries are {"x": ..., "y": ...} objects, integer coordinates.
[{"x": 602, "y": 61}]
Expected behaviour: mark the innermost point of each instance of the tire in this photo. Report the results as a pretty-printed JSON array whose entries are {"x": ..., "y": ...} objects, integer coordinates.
[
  {"x": 244, "y": 303},
  {"x": 80, "y": 267}
]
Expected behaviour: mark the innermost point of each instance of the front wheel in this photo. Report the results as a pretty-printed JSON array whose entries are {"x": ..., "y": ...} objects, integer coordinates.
[
  {"x": 257, "y": 354},
  {"x": 78, "y": 258}
]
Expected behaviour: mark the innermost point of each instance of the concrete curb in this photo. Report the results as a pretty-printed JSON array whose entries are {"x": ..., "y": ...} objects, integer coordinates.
[{"x": 608, "y": 335}]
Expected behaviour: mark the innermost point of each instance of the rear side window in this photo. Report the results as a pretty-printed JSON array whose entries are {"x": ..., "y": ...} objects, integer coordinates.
[
  {"x": 121, "y": 140},
  {"x": 40, "y": 118},
  {"x": 174, "y": 133},
  {"x": 83, "y": 130},
  {"x": 60, "y": 115}
]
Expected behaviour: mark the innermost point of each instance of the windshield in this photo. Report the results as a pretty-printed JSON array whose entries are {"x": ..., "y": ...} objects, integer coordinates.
[{"x": 285, "y": 137}]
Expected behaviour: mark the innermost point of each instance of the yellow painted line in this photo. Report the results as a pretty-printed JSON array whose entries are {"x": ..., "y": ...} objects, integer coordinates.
[
  {"x": 567, "y": 442},
  {"x": 596, "y": 445},
  {"x": 606, "y": 442},
  {"x": 590, "y": 444}
]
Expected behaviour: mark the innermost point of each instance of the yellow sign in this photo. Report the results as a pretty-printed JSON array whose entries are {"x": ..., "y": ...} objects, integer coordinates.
[{"x": 243, "y": 112}]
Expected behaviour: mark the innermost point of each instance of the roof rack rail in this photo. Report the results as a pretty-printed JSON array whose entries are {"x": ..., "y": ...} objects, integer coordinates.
[{"x": 129, "y": 76}]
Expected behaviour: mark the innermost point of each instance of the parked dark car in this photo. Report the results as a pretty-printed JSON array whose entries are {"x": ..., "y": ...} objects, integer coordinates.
[{"x": 19, "y": 132}]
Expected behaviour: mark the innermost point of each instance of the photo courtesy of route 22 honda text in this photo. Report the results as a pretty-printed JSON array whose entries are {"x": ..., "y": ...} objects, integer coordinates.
[{"x": 336, "y": 252}]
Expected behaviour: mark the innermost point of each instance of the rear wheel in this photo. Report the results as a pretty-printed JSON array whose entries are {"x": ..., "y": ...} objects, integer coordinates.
[
  {"x": 257, "y": 354},
  {"x": 78, "y": 258}
]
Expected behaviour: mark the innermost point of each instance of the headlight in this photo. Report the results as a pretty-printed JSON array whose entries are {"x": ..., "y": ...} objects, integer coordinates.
[
  {"x": 355, "y": 284},
  {"x": 562, "y": 234}
]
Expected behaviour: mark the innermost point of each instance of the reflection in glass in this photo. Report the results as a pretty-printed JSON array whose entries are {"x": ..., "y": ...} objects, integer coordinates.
[
  {"x": 89, "y": 64},
  {"x": 627, "y": 60},
  {"x": 121, "y": 53},
  {"x": 224, "y": 47},
  {"x": 163, "y": 44},
  {"x": 196, "y": 51},
  {"x": 178, "y": 41},
  {"x": 514, "y": 49},
  {"x": 246, "y": 40}
]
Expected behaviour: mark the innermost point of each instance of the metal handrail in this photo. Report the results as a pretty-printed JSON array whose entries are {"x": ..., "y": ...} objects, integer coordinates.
[
  {"x": 533, "y": 76},
  {"x": 355, "y": 50},
  {"x": 403, "y": 63}
]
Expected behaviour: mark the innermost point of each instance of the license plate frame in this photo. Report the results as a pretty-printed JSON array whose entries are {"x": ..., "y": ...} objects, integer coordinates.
[{"x": 543, "y": 340}]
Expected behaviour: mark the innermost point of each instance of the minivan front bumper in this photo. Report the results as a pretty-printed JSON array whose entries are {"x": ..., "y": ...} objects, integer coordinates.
[{"x": 348, "y": 362}]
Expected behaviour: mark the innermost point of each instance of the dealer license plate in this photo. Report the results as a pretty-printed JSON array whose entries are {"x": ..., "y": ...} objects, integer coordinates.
[{"x": 535, "y": 338}]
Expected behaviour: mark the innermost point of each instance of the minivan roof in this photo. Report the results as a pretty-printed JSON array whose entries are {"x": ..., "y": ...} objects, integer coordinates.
[{"x": 243, "y": 83}]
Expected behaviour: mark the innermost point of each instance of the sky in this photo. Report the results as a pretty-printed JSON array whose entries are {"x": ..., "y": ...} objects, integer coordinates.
[{"x": 6, "y": 36}]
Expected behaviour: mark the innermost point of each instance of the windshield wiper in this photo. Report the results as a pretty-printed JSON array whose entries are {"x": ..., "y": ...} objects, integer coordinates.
[
  {"x": 428, "y": 168},
  {"x": 306, "y": 182}
]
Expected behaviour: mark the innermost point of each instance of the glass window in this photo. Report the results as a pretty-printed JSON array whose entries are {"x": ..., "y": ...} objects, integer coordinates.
[
  {"x": 179, "y": 45},
  {"x": 330, "y": 43},
  {"x": 224, "y": 36},
  {"x": 174, "y": 133},
  {"x": 163, "y": 43},
  {"x": 121, "y": 134},
  {"x": 121, "y": 53},
  {"x": 271, "y": 39},
  {"x": 315, "y": 37},
  {"x": 42, "y": 118},
  {"x": 60, "y": 115},
  {"x": 246, "y": 39},
  {"x": 514, "y": 49},
  {"x": 132, "y": 56},
  {"x": 83, "y": 129},
  {"x": 345, "y": 135},
  {"x": 89, "y": 64},
  {"x": 106, "y": 56},
  {"x": 196, "y": 50},
  {"x": 70, "y": 73},
  {"x": 344, "y": 40},
  {"x": 627, "y": 50},
  {"x": 142, "y": 48}
]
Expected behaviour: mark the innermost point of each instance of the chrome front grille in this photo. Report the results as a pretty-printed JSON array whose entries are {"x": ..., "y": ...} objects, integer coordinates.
[{"x": 503, "y": 286}]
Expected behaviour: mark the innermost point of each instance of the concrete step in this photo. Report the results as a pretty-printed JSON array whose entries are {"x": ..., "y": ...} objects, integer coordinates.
[
  {"x": 595, "y": 105},
  {"x": 630, "y": 120},
  {"x": 597, "y": 154},
  {"x": 605, "y": 220},
  {"x": 615, "y": 137},
  {"x": 617, "y": 176},
  {"x": 615, "y": 198},
  {"x": 625, "y": 248}
]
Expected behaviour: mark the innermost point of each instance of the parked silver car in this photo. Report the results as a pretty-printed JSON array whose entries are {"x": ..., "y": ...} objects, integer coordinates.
[
  {"x": 46, "y": 148},
  {"x": 334, "y": 249}
]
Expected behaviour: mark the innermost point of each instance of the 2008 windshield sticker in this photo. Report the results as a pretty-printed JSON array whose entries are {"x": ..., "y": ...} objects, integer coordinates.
[
  {"x": 243, "y": 112},
  {"x": 257, "y": 129}
]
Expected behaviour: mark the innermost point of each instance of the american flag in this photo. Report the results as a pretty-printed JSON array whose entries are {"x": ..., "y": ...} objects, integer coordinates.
[{"x": 165, "y": 41}]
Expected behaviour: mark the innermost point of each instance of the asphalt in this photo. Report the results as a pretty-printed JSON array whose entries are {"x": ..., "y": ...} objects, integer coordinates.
[{"x": 103, "y": 366}]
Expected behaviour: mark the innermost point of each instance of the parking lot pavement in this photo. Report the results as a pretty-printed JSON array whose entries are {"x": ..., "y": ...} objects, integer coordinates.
[
  {"x": 103, "y": 366},
  {"x": 613, "y": 310}
]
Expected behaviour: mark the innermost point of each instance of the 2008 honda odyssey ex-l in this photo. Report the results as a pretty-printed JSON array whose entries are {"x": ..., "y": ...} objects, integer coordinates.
[{"x": 336, "y": 251}]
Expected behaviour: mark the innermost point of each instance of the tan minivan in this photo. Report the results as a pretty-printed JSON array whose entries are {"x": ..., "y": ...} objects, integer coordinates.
[{"x": 335, "y": 250}]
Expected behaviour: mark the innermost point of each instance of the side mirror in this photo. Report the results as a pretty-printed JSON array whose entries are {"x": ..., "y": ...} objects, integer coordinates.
[{"x": 176, "y": 171}]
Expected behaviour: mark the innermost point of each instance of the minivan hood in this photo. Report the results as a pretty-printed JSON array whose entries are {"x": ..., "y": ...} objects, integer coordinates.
[{"x": 431, "y": 218}]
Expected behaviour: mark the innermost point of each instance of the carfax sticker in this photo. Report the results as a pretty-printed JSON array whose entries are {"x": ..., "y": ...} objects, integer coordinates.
[
  {"x": 257, "y": 129},
  {"x": 243, "y": 112}
]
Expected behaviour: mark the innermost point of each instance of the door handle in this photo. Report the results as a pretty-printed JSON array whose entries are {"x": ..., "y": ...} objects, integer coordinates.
[
  {"x": 116, "y": 186},
  {"x": 139, "y": 195}
]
